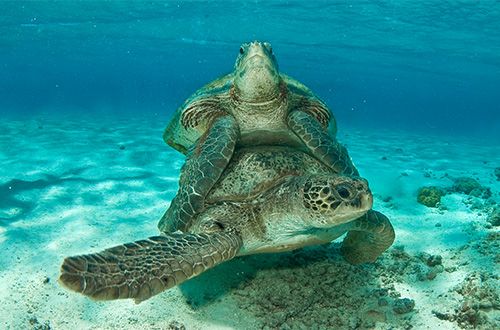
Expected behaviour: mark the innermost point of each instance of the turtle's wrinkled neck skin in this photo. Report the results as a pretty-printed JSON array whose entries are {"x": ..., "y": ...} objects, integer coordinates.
[
  {"x": 256, "y": 76},
  {"x": 258, "y": 97}
]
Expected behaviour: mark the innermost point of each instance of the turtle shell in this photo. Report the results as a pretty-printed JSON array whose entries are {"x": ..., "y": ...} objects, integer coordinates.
[
  {"x": 253, "y": 170},
  {"x": 182, "y": 137},
  {"x": 183, "y": 130}
]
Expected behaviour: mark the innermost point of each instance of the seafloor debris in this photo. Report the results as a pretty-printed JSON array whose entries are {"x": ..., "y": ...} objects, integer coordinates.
[
  {"x": 489, "y": 246},
  {"x": 480, "y": 294},
  {"x": 494, "y": 217},
  {"x": 477, "y": 303},
  {"x": 36, "y": 325},
  {"x": 176, "y": 325},
  {"x": 316, "y": 288},
  {"x": 434, "y": 266},
  {"x": 421, "y": 267},
  {"x": 403, "y": 306}
]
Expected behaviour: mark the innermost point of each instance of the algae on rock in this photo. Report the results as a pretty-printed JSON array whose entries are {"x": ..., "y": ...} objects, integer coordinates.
[{"x": 430, "y": 196}]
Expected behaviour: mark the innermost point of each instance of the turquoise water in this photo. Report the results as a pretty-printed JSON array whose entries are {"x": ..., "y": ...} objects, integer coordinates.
[
  {"x": 87, "y": 88},
  {"x": 431, "y": 65}
]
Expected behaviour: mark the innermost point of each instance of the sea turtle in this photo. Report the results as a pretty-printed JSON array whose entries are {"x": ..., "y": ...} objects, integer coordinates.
[
  {"x": 294, "y": 201},
  {"x": 253, "y": 105}
]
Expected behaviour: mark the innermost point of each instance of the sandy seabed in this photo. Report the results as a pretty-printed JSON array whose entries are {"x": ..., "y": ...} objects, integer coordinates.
[{"x": 76, "y": 185}]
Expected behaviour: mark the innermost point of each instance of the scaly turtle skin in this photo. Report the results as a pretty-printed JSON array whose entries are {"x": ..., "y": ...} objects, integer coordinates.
[
  {"x": 253, "y": 105},
  {"x": 295, "y": 201}
]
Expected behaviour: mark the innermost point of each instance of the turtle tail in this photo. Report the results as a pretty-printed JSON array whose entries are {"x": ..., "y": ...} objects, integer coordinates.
[
  {"x": 371, "y": 235},
  {"x": 144, "y": 268}
]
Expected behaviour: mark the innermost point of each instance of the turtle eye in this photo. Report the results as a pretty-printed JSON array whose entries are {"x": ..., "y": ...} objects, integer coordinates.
[
  {"x": 242, "y": 50},
  {"x": 344, "y": 192},
  {"x": 269, "y": 47}
]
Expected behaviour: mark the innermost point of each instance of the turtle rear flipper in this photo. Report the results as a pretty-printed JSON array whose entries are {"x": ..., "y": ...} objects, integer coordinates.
[
  {"x": 371, "y": 235},
  {"x": 203, "y": 168},
  {"x": 320, "y": 143},
  {"x": 144, "y": 268}
]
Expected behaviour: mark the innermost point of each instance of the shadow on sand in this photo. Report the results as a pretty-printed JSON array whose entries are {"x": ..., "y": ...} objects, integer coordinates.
[
  {"x": 304, "y": 288},
  {"x": 219, "y": 281}
]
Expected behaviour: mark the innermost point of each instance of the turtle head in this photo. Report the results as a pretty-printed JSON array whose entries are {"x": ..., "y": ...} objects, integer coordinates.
[
  {"x": 334, "y": 200},
  {"x": 257, "y": 78}
]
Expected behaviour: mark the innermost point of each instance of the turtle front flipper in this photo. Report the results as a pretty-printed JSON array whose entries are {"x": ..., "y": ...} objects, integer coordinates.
[
  {"x": 320, "y": 143},
  {"x": 371, "y": 235},
  {"x": 204, "y": 165},
  {"x": 142, "y": 269}
]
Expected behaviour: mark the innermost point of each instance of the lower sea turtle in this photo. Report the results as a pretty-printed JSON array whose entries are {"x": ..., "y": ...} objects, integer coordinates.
[
  {"x": 253, "y": 105},
  {"x": 269, "y": 199}
]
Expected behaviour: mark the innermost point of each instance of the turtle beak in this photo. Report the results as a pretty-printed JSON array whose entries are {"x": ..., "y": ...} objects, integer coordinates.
[
  {"x": 256, "y": 49},
  {"x": 259, "y": 57},
  {"x": 256, "y": 78}
]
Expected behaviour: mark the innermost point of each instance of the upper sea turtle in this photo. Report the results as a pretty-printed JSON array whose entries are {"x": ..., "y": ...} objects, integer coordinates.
[
  {"x": 294, "y": 201},
  {"x": 253, "y": 105}
]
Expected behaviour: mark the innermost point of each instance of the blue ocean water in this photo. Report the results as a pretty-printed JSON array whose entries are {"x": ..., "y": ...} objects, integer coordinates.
[{"x": 427, "y": 65}]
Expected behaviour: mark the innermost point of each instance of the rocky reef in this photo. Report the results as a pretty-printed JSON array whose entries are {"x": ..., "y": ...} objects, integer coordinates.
[
  {"x": 316, "y": 289},
  {"x": 469, "y": 186},
  {"x": 430, "y": 196}
]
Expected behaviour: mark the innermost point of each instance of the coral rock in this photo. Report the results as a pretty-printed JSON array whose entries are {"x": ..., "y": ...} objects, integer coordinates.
[
  {"x": 404, "y": 305},
  {"x": 430, "y": 196}
]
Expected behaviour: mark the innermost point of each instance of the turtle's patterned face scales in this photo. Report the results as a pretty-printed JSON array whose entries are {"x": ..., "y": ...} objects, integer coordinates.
[
  {"x": 257, "y": 78},
  {"x": 336, "y": 199}
]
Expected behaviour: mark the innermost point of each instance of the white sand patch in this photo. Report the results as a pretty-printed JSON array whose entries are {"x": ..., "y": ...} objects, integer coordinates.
[
  {"x": 103, "y": 186},
  {"x": 10, "y": 212},
  {"x": 2, "y": 234},
  {"x": 169, "y": 178}
]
